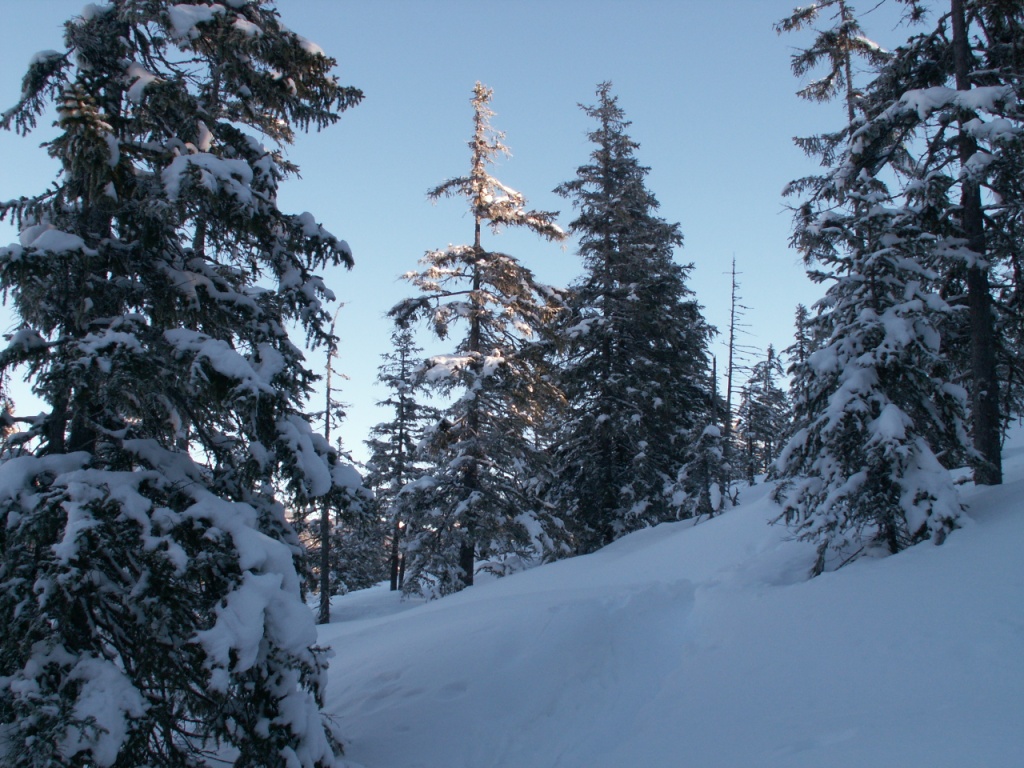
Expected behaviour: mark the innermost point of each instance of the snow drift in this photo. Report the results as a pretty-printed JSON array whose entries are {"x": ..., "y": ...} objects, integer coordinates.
[{"x": 703, "y": 646}]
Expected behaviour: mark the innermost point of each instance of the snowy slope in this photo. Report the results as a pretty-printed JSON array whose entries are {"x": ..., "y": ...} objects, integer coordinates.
[{"x": 703, "y": 646}]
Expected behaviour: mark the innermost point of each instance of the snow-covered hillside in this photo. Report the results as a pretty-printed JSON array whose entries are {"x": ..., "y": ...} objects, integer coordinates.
[{"x": 703, "y": 646}]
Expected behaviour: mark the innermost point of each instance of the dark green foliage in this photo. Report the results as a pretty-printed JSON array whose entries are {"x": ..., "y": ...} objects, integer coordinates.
[
  {"x": 395, "y": 461},
  {"x": 877, "y": 420},
  {"x": 944, "y": 116},
  {"x": 635, "y": 366},
  {"x": 148, "y": 586},
  {"x": 764, "y": 416}
]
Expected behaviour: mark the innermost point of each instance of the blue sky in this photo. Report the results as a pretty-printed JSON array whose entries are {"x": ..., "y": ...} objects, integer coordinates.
[{"x": 707, "y": 86}]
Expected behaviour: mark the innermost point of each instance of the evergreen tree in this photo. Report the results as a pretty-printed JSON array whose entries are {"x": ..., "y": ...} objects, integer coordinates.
[
  {"x": 808, "y": 335},
  {"x": 148, "y": 587},
  {"x": 874, "y": 407},
  {"x": 875, "y": 410},
  {"x": 484, "y": 503},
  {"x": 359, "y": 536},
  {"x": 804, "y": 341},
  {"x": 702, "y": 487},
  {"x": 636, "y": 365},
  {"x": 839, "y": 45},
  {"x": 943, "y": 117},
  {"x": 763, "y": 416},
  {"x": 340, "y": 531},
  {"x": 394, "y": 465}
]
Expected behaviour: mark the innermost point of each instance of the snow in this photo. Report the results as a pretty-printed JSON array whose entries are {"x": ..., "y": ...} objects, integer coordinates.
[
  {"x": 310, "y": 47},
  {"x": 311, "y": 463},
  {"x": 220, "y": 357},
  {"x": 184, "y": 19},
  {"x": 247, "y": 28},
  {"x": 141, "y": 77},
  {"x": 706, "y": 646},
  {"x": 109, "y": 696},
  {"x": 925, "y": 101},
  {"x": 46, "y": 238},
  {"x": 41, "y": 57},
  {"x": 215, "y": 173}
]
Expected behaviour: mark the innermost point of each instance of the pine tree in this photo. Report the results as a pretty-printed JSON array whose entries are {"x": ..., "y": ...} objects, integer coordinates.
[
  {"x": 875, "y": 411},
  {"x": 874, "y": 408},
  {"x": 395, "y": 465},
  {"x": 808, "y": 335},
  {"x": 763, "y": 416},
  {"x": 943, "y": 117},
  {"x": 484, "y": 504},
  {"x": 703, "y": 483},
  {"x": 148, "y": 586},
  {"x": 803, "y": 337},
  {"x": 636, "y": 365}
]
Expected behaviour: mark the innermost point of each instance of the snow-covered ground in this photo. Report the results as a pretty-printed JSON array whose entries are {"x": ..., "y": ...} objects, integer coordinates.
[{"x": 703, "y": 646}]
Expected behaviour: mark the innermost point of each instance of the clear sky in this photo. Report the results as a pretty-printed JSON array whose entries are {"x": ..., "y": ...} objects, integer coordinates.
[{"x": 707, "y": 86}]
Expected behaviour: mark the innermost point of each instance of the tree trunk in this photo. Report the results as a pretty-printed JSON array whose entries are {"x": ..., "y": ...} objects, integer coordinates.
[
  {"x": 984, "y": 380},
  {"x": 324, "y": 616},
  {"x": 395, "y": 555}
]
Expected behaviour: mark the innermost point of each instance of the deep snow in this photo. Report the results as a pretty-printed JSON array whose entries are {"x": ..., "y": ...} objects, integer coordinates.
[{"x": 703, "y": 646}]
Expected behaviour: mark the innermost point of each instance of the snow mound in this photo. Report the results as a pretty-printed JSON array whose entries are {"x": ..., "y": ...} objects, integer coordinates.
[{"x": 703, "y": 646}]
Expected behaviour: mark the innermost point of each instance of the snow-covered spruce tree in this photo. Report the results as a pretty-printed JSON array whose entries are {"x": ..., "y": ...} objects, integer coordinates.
[
  {"x": 482, "y": 453},
  {"x": 395, "y": 466},
  {"x": 803, "y": 337},
  {"x": 636, "y": 370},
  {"x": 703, "y": 484},
  {"x": 875, "y": 413},
  {"x": 809, "y": 333},
  {"x": 148, "y": 586},
  {"x": 944, "y": 116},
  {"x": 763, "y": 416}
]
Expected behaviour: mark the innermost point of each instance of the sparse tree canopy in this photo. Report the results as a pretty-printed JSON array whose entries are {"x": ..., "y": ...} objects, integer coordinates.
[
  {"x": 396, "y": 464},
  {"x": 481, "y": 451}
]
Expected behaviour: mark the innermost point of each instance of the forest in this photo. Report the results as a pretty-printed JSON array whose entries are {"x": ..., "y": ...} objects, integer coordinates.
[{"x": 182, "y": 513}]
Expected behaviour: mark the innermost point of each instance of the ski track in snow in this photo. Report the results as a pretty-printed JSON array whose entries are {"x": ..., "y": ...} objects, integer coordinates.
[{"x": 703, "y": 646}]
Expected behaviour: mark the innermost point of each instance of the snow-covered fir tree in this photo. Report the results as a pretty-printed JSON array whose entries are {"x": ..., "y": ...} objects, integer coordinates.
[
  {"x": 804, "y": 340},
  {"x": 703, "y": 484},
  {"x": 809, "y": 332},
  {"x": 395, "y": 465},
  {"x": 482, "y": 453},
  {"x": 148, "y": 586},
  {"x": 763, "y": 416},
  {"x": 876, "y": 414},
  {"x": 943, "y": 117},
  {"x": 636, "y": 370}
]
